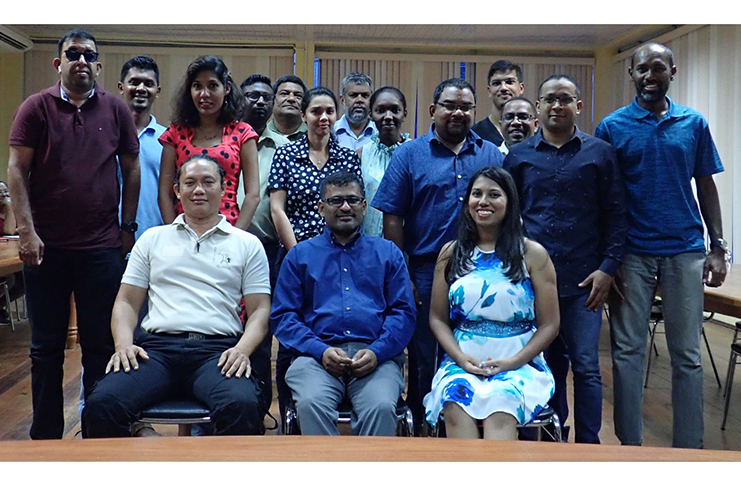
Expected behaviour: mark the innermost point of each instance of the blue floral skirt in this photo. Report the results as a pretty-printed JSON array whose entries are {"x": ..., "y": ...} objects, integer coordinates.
[{"x": 521, "y": 393}]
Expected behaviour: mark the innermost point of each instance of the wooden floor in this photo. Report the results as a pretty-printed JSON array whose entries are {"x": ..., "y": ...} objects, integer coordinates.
[{"x": 15, "y": 392}]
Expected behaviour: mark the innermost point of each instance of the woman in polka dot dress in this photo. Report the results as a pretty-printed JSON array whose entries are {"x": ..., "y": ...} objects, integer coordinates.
[
  {"x": 208, "y": 107},
  {"x": 299, "y": 167}
]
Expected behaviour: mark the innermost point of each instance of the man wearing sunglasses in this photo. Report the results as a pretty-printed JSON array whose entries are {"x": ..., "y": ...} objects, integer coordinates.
[
  {"x": 344, "y": 305},
  {"x": 573, "y": 203},
  {"x": 64, "y": 144}
]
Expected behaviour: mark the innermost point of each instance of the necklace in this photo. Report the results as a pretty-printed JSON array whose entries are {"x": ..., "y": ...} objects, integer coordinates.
[{"x": 216, "y": 134}]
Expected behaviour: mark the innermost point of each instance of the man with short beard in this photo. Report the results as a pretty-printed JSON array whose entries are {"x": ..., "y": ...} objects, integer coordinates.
[
  {"x": 661, "y": 146},
  {"x": 66, "y": 145},
  {"x": 344, "y": 305},
  {"x": 355, "y": 128}
]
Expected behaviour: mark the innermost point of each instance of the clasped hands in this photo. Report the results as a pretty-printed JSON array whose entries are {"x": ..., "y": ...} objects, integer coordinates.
[
  {"x": 338, "y": 363},
  {"x": 486, "y": 367}
]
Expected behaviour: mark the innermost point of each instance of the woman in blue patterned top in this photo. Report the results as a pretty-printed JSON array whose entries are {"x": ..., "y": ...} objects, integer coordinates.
[
  {"x": 494, "y": 310},
  {"x": 388, "y": 111},
  {"x": 299, "y": 167}
]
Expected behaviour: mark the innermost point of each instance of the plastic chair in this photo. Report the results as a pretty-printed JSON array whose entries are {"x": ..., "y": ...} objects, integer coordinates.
[
  {"x": 404, "y": 424},
  {"x": 732, "y": 361},
  {"x": 657, "y": 316},
  {"x": 183, "y": 411}
]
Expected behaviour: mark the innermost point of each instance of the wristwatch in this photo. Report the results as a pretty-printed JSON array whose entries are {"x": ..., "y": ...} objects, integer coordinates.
[
  {"x": 131, "y": 226},
  {"x": 720, "y": 243}
]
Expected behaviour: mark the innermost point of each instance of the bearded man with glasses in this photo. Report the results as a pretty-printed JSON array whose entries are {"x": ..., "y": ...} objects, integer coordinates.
[
  {"x": 62, "y": 171},
  {"x": 573, "y": 203},
  {"x": 344, "y": 306}
]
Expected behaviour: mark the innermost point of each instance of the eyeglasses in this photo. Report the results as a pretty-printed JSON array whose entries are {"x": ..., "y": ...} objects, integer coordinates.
[
  {"x": 523, "y": 117},
  {"x": 254, "y": 96},
  {"x": 73, "y": 55},
  {"x": 453, "y": 107},
  {"x": 5, "y": 193},
  {"x": 564, "y": 100},
  {"x": 338, "y": 201}
]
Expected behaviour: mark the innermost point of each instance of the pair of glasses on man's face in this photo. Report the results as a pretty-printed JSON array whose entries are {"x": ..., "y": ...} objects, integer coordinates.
[
  {"x": 453, "y": 107},
  {"x": 523, "y": 117},
  {"x": 73, "y": 55},
  {"x": 254, "y": 96},
  {"x": 338, "y": 201}
]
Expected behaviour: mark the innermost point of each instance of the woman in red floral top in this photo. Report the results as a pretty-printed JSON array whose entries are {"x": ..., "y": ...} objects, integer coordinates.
[{"x": 208, "y": 107}]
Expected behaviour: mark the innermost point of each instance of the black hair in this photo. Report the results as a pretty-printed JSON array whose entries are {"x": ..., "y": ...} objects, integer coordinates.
[
  {"x": 388, "y": 89},
  {"x": 511, "y": 241},
  {"x": 254, "y": 79},
  {"x": 453, "y": 83},
  {"x": 561, "y": 76},
  {"x": 222, "y": 172},
  {"x": 143, "y": 63},
  {"x": 184, "y": 110},
  {"x": 339, "y": 179},
  {"x": 313, "y": 93},
  {"x": 504, "y": 66},
  {"x": 288, "y": 78},
  {"x": 75, "y": 34},
  {"x": 522, "y": 98}
]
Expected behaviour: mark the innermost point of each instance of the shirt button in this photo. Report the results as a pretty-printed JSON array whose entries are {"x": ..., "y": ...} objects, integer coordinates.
[
  {"x": 347, "y": 308},
  {"x": 344, "y": 269},
  {"x": 459, "y": 176},
  {"x": 460, "y": 199},
  {"x": 347, "y": 332},
  {"x": 347, "y": 288}
]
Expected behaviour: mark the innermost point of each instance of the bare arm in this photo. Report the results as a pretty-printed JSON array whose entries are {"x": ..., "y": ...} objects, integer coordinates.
[
  {"x": 236, "y": 361},
  {"x": 125, "y": 315},
  {"x": 9, "y": 227},
  {"x": 251, "y": 183},
  {"x": 280, "y": 218},
  {"x": 167, "y": 177},
  {"x": 31, "y": 249},
  {"x": 543, "y": 278},
  {"x": 393, "y": 229},
  {"x": 131, "y": 173},
  {"x": 715, "y": 264}
]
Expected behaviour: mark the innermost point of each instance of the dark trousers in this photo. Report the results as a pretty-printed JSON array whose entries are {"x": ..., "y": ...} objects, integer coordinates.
[
  {"x": 94, "y": 276},
  {"x": 177, "y": 365},
  {"x": 422, "y": 349}
]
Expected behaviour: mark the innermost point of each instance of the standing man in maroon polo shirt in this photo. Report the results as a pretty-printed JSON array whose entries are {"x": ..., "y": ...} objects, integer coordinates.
[{"x": 63, "y": 176}]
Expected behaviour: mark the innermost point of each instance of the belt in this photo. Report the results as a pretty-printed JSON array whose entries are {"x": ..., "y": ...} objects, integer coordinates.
[{"x": 190, "y": 335}]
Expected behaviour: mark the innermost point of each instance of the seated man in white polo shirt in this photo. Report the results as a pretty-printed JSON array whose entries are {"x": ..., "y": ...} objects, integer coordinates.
[{"x": 195, "y": 271}]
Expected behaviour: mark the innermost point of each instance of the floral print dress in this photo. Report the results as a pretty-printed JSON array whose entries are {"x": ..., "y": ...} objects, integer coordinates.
[{"x": 494, "y": 318}]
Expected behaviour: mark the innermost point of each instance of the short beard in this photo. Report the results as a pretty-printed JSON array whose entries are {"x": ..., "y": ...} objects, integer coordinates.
[
  {"x": 357, "y": 118},
  {"x": 649, "y": 97}
]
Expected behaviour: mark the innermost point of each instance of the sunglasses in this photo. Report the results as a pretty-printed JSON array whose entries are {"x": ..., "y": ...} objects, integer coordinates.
[{"x": 73, "y": 55}]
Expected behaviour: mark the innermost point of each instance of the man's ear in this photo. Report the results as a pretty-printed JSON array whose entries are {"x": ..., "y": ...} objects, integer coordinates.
[{"x": 176, "y": 190}]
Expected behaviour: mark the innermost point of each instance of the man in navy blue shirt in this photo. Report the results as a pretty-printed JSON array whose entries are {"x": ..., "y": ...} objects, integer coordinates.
[
  {"x": 420, "y": 196},
  {"x": 573, "y": 203},
  {"x": 344, "y": 305}
]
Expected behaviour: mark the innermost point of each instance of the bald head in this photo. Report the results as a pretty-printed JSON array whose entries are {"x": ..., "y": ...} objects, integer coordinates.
[{"x": 655, "y": 49}]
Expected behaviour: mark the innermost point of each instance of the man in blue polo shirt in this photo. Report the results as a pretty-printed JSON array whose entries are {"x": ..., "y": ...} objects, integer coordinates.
[
  {"x": 661, "y": 147},
  {"x": 421, "y": 195},
  {"x": 573, "y": 203},
  {"x": 344, "y": 304}
]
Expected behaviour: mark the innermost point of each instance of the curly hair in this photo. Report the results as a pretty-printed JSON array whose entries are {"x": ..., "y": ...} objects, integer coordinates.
[{"x": 184, "y": 110}]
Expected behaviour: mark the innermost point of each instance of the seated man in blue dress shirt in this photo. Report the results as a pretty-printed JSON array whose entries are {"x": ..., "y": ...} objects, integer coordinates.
[{"x": 344, "y": 305}]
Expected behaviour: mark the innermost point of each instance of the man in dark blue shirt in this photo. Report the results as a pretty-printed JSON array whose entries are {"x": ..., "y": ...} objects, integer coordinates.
[
  {"x": 573, "y": 203},
  {"x": 420, "y": 196},
  {"x": 344, "y": 305}
]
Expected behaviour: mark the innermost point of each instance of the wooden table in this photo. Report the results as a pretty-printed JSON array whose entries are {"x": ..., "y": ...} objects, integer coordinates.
[
  {"x": 726, "y": 299},
  {"x": 10, "y": 262},
  {"x": 343, "y": 448}
]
